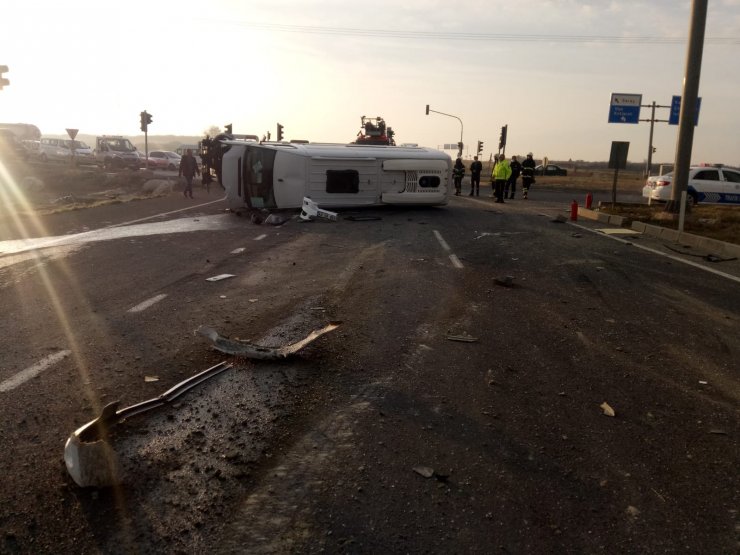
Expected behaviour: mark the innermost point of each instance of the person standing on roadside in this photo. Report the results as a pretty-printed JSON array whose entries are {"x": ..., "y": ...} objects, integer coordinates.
[
  {"x": 501, "y": 174},
  {"x": 475, "y": 170},
  {"x": 188, "y": 170},
  {"x": 493, "y": 181},
  {"x": 516, "y": 169},
  {"x": 458, "y": 172},
  {"x": 527, "y": 174}
]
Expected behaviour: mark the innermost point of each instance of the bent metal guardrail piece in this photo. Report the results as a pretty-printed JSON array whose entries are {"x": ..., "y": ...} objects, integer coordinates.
[
  {"x": 250, "y": 350},
  {"x": 90, "y": 459}
]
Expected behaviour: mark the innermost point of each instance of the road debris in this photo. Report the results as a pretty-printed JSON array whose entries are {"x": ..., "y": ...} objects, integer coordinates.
[
  {"x": 632, "y": 512},
  {"x": 505, "y": 281},
  {"x": 608, "y": 411},
  {"x": 91, "y": 460},
  {"x": 559, "y": 219},
  {"x": 149, "y": 379},
  {"x": 219, "y": 277},
  {"x": 310, "y": 211},
  {"x": 718, "y": 432},
  {"x": 250, "y": 350},
  {"x": 275, "y": 219},
  {"x": 362, "y": 218},
  {"x": 463, "y": 338},
  {"x": 239, "y": 250},
  {"x": 424, "y": 471}
]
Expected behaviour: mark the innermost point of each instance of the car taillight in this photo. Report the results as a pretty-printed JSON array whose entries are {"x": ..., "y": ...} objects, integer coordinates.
[{"x": 662, "y": 183}]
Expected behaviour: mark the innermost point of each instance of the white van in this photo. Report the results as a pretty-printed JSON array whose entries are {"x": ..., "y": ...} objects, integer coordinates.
[{"x": 51, "y": 149}]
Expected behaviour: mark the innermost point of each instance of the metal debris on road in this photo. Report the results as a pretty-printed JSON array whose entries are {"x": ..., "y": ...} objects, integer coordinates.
[
  {"x": 149, "y": 379},
  {"x": 219, "y": 277},
  {"x": 608, "y": 411},
  {"x": 463, "y": 338},
  {"x": 90, "y": 459},
  {"x": 250, "y": 350}
]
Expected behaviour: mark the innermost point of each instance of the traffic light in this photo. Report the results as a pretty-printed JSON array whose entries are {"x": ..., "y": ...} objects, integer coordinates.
[
  {"x": 228, "y": 127},
  {"x": 279, "y": 132},
  {"x": 3, "y": 82},
  {"x": 427, "y": 109},
  {"x": 502, "y": 138},
  {"x": 480, "y": 148},
  {"x": 654, "y": 149},
  {"x": 145, "y": 120},
  {"x": 148, "y": 118},
  {"x": 460, "y": 147}
]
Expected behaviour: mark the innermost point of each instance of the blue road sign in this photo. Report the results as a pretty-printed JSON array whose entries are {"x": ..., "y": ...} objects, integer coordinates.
[
  {"x": 676, "y": 110},
  {"x": 625, "y": 108}
]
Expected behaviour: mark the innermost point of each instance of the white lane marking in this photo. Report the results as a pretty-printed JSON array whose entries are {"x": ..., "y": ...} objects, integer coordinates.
[
  {"x": 260, "y": 237},
  {"x": 442, "y": 242},
  {"x": 655, "y": 251},
  {"x": 147, "y": 303},
  {"x": 33, "y": 371},
  {"x": 166, "y": 213},
  {"x": 456, "y": 261},
  {"x": 453, "y": 257}
]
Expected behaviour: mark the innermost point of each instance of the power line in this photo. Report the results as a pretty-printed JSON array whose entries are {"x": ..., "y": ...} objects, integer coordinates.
[{"x": 484, "y": 37}]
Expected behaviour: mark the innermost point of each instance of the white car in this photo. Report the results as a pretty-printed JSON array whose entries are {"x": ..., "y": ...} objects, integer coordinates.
[{"x": 707, "y": 184}]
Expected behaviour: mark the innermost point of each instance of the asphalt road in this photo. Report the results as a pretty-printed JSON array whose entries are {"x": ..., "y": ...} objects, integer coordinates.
[{"x": 457, "y": 408}]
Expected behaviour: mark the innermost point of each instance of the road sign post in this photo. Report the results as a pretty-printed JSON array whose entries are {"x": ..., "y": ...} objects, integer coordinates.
[
  {"x": 625, "y": 108},
  {"x": 617, "y": 161},
  {"x": 73, "y": 151}
]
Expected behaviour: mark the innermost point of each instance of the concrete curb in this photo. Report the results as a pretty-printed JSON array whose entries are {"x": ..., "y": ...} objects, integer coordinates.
[{"x": 719, "y": 248}]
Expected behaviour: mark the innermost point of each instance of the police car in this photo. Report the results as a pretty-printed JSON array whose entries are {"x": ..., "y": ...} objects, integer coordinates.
[{"x": 707, "y": 184}]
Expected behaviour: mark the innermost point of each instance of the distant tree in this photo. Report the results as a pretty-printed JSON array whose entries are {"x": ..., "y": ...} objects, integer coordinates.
[{"x": 212, "y": 131}]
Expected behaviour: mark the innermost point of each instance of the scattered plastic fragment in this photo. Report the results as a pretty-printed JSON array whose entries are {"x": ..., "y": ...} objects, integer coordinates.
[
  {"x": 219, "y": 277},
  {"x": 424, "y": 471},
  {"x": 702, "y": 382},
  {"x": 608, "y": 411},
  {"x": 718, "y": 432},
  {"x": 310, "y": 211},
  {"x": 239, "y": 250},
  {"x": 149, "y": 379},
  {"x": 250, "y": 350}
]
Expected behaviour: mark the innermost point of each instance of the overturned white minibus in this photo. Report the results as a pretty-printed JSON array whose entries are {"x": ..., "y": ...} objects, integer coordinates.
[{"x": 280, "y": 175}]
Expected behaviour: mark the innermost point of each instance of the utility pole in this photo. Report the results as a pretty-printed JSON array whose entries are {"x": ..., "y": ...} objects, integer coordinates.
[
  {"x": 461, "y": 144},
  {"x": 652, "y": 120},
  {"x": 687, "y": 116}
]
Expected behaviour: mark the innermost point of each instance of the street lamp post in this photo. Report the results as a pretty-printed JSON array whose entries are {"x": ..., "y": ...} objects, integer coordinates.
[{"x": 460, "y": 145}]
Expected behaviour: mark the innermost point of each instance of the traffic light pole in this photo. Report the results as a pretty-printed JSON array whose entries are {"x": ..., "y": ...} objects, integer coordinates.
[{"x": 460, "y": 150}]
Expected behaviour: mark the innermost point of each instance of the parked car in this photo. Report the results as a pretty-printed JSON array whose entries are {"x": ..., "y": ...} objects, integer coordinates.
[
  {"x": 114, "y": 152},
  {"x": 52, "y": 149},
  {"x": 83, "y": 153},
  {"x": 708, "y": 184},
  {"x": 165, "y": 159},
  {"x": 550, "y": 169}
]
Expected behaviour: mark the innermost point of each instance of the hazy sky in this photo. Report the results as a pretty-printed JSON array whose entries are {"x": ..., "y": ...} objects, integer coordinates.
[{"x": 545, "y": 68}]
